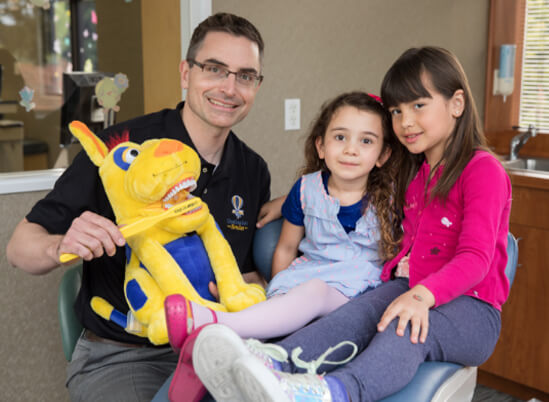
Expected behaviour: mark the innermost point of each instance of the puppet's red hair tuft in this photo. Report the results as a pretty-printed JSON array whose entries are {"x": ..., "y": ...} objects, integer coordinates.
[{"x": 116, "y": 139}]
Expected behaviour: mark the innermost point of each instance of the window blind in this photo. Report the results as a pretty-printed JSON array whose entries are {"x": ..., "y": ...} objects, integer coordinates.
[{"x": 534, "y": 93}]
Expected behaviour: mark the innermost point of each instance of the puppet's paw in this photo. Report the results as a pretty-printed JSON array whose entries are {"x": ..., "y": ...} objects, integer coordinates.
[
  {"x": 212, "y": 305},
  {"x": 157, "y": 330},
  {"x": 249, "y": 295}
]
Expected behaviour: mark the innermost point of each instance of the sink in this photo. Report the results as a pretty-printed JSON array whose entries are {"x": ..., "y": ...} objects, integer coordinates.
[{"x": 532, "y": 164}]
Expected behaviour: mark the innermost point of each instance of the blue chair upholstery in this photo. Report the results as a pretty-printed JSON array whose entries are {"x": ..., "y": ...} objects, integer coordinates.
[
  {"x": 512, "y": 258},
  {"x": 265, "y": 241}
]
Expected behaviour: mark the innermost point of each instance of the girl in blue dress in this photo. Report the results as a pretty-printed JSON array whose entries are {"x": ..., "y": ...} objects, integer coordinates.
[{"x": 339, "y": 216}]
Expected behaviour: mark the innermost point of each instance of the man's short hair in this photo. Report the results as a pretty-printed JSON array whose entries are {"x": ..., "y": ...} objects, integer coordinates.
[{"x": 225, "y": 22}]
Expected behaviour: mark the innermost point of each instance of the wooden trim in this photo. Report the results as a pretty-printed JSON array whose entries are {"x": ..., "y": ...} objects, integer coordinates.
[
  {"x": 161, "y": 40},
  {"x": 506, "y": 26}
]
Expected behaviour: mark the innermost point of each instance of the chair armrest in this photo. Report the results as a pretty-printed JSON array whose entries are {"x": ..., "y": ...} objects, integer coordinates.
[{"x": 68, "y": 322}]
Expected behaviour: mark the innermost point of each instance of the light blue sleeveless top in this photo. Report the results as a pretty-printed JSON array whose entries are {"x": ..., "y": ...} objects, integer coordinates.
[{"x": 349, "y": 262}]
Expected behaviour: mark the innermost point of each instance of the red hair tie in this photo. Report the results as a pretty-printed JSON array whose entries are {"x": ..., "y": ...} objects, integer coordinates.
[{"x": 376, "y": 98}]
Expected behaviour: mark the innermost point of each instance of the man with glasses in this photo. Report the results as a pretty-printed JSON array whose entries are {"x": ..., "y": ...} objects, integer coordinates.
[{"x": 222, "y": 74}]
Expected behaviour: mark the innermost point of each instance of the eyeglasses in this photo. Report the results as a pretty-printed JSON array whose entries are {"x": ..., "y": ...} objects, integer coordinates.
[{"x": 218, "y": 72}]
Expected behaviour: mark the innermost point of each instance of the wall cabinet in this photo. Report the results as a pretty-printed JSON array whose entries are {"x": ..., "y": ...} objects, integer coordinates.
[{"x": 522, "y": 353}]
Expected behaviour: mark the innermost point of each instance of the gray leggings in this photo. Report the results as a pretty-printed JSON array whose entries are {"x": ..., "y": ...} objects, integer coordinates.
[{"x": 463, "y": 331}]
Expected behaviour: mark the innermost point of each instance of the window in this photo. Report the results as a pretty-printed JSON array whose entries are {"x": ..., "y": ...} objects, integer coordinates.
[
  {"x": 38, "y": 45},
  {"x": 45, "y": 42},
  {"x": 534, "y": 93},
  {"x": 84, "y": 23}
]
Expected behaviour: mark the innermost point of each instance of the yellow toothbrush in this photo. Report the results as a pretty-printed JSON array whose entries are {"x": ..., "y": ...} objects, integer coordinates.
[{"x": 144, "y": 223}]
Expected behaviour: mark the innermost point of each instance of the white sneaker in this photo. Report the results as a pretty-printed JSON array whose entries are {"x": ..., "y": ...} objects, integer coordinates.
[
  {"x": 259, "y": 383},
  {"x": 216, "y": 349}
]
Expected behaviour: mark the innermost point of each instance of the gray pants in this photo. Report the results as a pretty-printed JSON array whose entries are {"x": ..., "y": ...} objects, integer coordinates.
[
  {"x": 105, "y": 372},
  {"x": 463, "y": 331}
]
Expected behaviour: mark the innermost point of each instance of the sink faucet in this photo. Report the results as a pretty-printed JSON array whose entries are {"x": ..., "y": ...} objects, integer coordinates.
[{"x": 518, "y": 141}]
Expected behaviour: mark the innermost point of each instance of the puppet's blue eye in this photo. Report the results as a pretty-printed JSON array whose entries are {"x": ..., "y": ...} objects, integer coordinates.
[
  {"x": 130, "y": 155},
  {"x": 124, "y": 156}
]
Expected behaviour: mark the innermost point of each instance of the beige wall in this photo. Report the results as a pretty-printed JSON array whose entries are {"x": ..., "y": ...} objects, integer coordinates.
[
  {"x": 33, "y": 363},
  {"x": 315, "y": 49}
]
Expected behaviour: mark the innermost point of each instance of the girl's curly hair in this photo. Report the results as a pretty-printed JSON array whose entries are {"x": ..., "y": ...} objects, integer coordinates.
[{"x": 381, "y": 188}]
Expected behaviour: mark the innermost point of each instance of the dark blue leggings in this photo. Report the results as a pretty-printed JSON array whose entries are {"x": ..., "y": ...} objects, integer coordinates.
[{"x": 463, "y": 331}]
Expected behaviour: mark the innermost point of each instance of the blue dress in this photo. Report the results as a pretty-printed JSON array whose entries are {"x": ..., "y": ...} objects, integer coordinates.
[{"x": 349, "y": 262}]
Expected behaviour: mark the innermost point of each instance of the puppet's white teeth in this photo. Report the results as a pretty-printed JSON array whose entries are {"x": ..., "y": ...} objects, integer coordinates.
[{"x": 188, "y": 185}]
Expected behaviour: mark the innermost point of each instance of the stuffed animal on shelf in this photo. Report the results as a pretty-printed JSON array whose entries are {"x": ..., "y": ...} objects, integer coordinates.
[{"x": 178, "y": 247}]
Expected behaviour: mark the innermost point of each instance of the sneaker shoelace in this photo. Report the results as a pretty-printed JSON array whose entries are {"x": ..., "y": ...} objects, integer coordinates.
[
  {"x": 313, "y": 365},
  {"x": 267, "y": 352},
  {"x": 306, "y": 387}
]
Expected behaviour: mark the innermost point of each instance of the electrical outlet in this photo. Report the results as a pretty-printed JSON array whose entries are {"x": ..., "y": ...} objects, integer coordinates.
[{"x": 292, "y": 114}]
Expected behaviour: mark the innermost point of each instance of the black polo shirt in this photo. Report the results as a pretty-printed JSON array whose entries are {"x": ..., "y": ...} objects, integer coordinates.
[{"x": 234, "y": 192}]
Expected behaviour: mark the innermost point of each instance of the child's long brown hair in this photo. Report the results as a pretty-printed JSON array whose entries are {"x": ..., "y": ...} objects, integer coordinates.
[
  {"x": 403, "y": 83},
  {"x": 380, "y": 189}
]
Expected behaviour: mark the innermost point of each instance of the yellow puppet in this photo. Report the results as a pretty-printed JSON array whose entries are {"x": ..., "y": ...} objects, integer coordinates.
[{"x": 142, "y": 182}]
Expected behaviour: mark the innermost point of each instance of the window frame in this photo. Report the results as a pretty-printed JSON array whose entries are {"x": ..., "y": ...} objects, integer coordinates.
[{"x": 506, "y": 25}]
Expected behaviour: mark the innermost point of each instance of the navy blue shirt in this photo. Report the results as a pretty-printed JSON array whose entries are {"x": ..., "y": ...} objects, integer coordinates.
[{"x": 293, "y": 212}]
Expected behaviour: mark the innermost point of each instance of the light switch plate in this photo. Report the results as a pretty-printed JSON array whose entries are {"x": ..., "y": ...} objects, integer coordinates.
[{"x": 292, "y": 114}]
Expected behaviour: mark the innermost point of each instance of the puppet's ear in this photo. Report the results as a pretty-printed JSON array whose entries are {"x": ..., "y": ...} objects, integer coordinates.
[{"x": 94, "y": 147}]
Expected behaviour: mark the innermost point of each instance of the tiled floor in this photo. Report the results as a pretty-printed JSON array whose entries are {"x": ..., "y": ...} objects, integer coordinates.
[{"x": 485, "y": 394}]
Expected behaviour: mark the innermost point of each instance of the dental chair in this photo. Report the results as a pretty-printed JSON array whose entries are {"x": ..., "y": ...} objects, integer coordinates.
[{"x": 434, "y": 381}]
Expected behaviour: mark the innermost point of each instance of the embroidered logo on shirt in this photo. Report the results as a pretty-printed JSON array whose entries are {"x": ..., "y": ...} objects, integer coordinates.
[
  {"x": 446, "y": 222},
  {"x": 435, "y": 251},
  {"x": 238, "y": 223},
  {"x": 237, "y": 202}
]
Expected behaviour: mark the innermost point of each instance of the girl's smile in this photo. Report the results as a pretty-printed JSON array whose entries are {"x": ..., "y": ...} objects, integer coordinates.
[
  {"x": 424, "y": 125},
  {"x": 411, "y": 138},
  {"x": 352, "y": 146}
]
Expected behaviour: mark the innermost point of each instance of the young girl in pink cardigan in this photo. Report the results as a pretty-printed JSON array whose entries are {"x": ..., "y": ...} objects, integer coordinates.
[{"x": 442, "y": 302}]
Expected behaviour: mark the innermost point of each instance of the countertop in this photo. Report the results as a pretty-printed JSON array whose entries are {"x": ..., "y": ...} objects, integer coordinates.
[{"x": 529, "y": 178}]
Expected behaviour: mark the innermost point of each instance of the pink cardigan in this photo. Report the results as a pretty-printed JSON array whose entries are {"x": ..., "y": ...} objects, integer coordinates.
[{"x": 459, "y": 247}]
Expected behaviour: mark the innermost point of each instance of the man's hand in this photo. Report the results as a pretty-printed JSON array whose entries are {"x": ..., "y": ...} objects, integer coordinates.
[
  {"x": 89, "y": 236},
  {"x": 412, "y": 306},
  {"x": 212, "y": 287},
  {"x": 34, "y": 250},
  {"x": 270, "y": 211}
]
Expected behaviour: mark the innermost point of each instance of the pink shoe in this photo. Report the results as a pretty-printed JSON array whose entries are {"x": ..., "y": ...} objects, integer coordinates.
[
  {"x": 179, "y": 319},
  {"x": 185, "y": 385}
]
